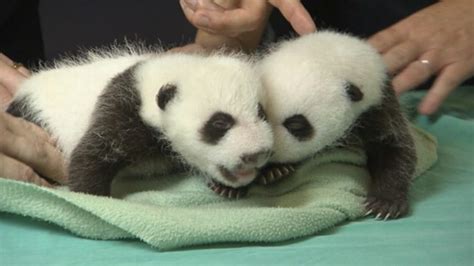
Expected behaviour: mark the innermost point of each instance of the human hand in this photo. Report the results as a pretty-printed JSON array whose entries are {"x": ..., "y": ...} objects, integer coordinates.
[
  {"x": 244, "y": 15},
  {"x": 25, "y": 150},
  {"x": 11, "y": 75},
  {"x": 437, "y": 40},
  {"x": 241, "y": 22}
]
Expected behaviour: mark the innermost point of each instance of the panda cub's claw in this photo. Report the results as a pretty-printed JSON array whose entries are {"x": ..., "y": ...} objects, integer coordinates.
[
  {"x": 385, "y": 209},
  {"x": 227, "y": 192},
  {"x": 273, "y": 173}
]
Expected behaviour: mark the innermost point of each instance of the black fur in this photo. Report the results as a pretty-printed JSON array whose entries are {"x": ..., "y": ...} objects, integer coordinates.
[
  {"x": 354, "y": 92},
  {"x": 261, "y": 113},
  {"x": 216, "y": 127},
  {"x": 20, "y": 107},
  {"x": 299, "y": 127},
  {"x": 165, "y": 95},
  {"x": 391, "y": 156},
  {"x": 116, "y": 138}
]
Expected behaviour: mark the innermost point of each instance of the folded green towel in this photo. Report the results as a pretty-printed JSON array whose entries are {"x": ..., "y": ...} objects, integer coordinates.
[{"x": 177, "y": 211}]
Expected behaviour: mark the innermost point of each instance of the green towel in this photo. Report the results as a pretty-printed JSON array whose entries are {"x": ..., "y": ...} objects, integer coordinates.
[{"x": 178, "y": 211}]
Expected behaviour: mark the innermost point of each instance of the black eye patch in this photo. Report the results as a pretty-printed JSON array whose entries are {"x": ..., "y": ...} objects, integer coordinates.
[
  {"x": 261, "y": 113},
  {"x": 354, "y": 92},
  {"x": 299, "y": 127},
  {"x": 216, "y": 127},
  {"x": 165, "y": 95}
]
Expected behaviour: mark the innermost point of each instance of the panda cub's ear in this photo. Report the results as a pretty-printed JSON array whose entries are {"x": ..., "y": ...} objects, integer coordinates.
[
  {"x": 165, "y": 95},
  {"x": 354, "y": 92}
]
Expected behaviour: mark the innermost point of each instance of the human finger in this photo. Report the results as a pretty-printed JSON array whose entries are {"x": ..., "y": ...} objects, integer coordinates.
[
  {"x": 296, "y": 14},
  {"x": 190, "y": 7},
  {"x": 5, "y": 98},
  {"x": 400, "y": 55},
  {"x": 5, "y": 59},
  {"x": 211, "y": 4},
  {"x": 187, "y": 11},
  {"x": 24, "y": 128},
  {"x": 13, "y": 169},
  {"x": 38, "y": 154},
  {"x": 10, "y": 77},
  {"x": 415, "y": 74},
  {"x": 386, "y": 39},
  {"x": 230, "y": 22},
  {"x": 448, "y": 80},
  {"x": 190, "y": 14},
  {"x": 22, "y": 69}
]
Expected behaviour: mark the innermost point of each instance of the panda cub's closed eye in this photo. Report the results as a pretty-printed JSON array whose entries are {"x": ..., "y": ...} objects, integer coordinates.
[
  {"x": 216, "y": 127},
  {"x": 299, "y": 127},
  {"x": 354, "y": 92}
]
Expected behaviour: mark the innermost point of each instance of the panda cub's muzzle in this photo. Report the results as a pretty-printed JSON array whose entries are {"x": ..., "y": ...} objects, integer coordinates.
[
  {"x": 244, "y": 173},
  {"x": 248, "y": 168}
]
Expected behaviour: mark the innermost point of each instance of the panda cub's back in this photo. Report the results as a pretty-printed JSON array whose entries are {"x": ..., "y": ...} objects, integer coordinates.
[{"x": 67, "y": 94}]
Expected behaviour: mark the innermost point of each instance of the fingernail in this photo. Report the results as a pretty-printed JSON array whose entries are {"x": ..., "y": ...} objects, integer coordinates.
[{"x": 202, "y": 21}]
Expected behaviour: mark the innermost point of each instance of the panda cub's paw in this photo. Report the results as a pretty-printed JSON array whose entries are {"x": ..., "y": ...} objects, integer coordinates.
[
  {"x": 227, "y": 192},
  {"x": 384, "y": 209},
  {"x": 273, "y": 173}
]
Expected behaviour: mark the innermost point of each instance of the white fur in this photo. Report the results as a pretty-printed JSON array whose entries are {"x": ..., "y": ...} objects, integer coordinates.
[
  {"x": 67, "y": 94},
  {"x": 307, "y": 76},
  {"x": 205, "y": 86}
]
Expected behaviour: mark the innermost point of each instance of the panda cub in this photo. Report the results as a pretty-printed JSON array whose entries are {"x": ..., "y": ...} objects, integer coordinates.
[
  {"x": 327, "y": 89},
  {"x": 178, "y": 111}
]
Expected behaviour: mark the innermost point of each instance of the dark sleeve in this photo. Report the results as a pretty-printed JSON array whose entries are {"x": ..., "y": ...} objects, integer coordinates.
[
  {"x": 20, "y": 32},
  {"x": 359, "y": 17},
  {"x": 70, "y": 26}
]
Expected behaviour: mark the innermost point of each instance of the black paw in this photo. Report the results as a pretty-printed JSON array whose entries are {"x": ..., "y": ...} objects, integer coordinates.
[
  {"x": 384, "y": 209},
  {"x": 227, "y": 192},
  {"x": 274, "y": 173}
]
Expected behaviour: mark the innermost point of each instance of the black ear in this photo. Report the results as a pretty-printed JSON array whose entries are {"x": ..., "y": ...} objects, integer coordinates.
[
  {"x": 354, "y": 93},
  {"x": 166, "y": 94}
]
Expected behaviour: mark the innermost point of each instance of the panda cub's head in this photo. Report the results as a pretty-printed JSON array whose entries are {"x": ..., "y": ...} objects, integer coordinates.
[
  {"x": 317, "y": 87},
  {"x": 211, "y": 111}
]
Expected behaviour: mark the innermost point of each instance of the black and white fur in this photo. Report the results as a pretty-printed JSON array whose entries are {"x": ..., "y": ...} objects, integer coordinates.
[
  {"x": 179, "y": 111},
  {"x": 327, "y": 89}
]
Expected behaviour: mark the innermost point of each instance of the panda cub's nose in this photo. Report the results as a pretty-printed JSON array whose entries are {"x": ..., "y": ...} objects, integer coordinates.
[{"x": 257, "y": 159}]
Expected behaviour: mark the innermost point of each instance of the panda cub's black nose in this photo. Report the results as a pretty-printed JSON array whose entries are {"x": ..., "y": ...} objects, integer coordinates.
[{"x": 256, "y": 158}]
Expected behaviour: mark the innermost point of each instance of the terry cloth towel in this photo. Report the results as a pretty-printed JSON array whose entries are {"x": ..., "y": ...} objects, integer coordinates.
[{"x": 177, "y": 211}]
